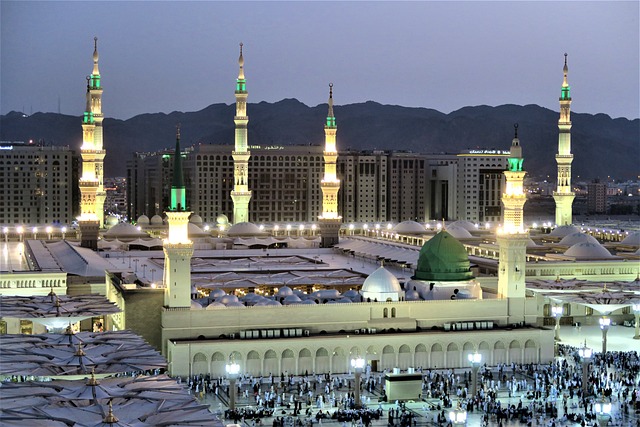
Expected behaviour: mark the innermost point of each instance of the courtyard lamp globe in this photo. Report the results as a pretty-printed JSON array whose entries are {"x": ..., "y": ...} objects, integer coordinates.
[
  {"x": 475, "y": 359},
  {"x": 458, "y": 417},
  {"x": 556, "y": 311},
  {"x": 49, "y": 230},
  {"x": 6, "y": 234},
  {"x": 585, "y": 354},
  {"x": 605, "y": 322},
  {"x": 603, "y": 411},
  {"x": 233, "y": 370},
  {"x": 358, "y": 364}
]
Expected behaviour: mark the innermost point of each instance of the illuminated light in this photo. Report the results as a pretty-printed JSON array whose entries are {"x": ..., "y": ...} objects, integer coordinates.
[
  {"x": 389, "y": 226},
  {"x": 351, "y": 226},
  {"x": 487, "y": 226},
  {"x": 207, "y": 228},
  {"x": 301, "y": 227},
  {"x": 139, "y": 228},
  {"x": 535, "y": 225},
  {"x": 64, "y": 229},
  {"x": 5, "y": 230},
  {"x": 35, "y": 230},
  {"x": 221, "y": 227},
  {"x": 261, "y": 227},
  {"x": 313, "y": 227},
  {"x": 276, "y": 227},
  {"x": 288, "y": 226},
  {"x": 377, "y": 226}
]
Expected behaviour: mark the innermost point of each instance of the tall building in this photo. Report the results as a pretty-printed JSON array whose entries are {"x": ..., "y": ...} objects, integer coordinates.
[
  {"x": 407, "y": 187},
  {"x": 178, "y": 249},
  {"x": 330, "y": 221},
  {"x": 564, "y": 194},
  {"x": 39, "y": 184},
  {"x": 442, "y": 179},
  {"x": 597, "y": 197},
  {"x": 363, "y": 186},
  {"x": 92, "y": 151},
  {"x": 512, "y": 239},
  {"x": 241, "y": 193},
  {"x": 480, "y": 184}
]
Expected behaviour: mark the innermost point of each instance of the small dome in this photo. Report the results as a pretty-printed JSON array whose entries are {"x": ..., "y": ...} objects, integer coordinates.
[
  {"x": 574, "y": 238},
  {"x": 222, "y": 219},
  {"x": 633, "y": 239},
  {"x": 564, "y": 230},
  {"x": 443, "y": 258},
  {"x": 236, "y": 304},
  {"x": 244, "y": 229},
  {"x": 531, "y": 243},
  {"x": 292, "y": 299},
  {"x": 195, "y": 231},
  {"x": 459, "y": 232},
  {"x": 409, "y": 227},
  {"x": 308, "y": 302},
  {"x": 156, "y": 220},
  {"x": 412, "y": 295},
  {"x": 195, "y": 306},
  {"x": 326, "y": 294},
  {"x": 226, "y": 299},
  {"x": 124, "y": 230},
  {"x": 143, "y": 220},
  {"x": 467, "y": 225},
  {"x": 214, "y": 306},
  {"x": 588, "y": 251},
  {"x": 217, "y": 293},
  {"x": 196, "y": 219},
  {"x": 381, "y": 285},
  {"x": 285, "y": 291}
]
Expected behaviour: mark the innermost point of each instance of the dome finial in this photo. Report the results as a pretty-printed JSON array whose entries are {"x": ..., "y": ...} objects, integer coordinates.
[
  {"x": 178, "y": 131},
  {"x": 515, "y": 129},
  {"x": 96, "y": 72},
  {"x": 241, "y": 63},
  {"x": 565, "y": 71},
  {"x": 330, "y": 117}
]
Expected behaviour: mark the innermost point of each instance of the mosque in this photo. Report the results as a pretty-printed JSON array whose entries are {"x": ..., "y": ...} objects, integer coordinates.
[{"x": 404, "y": 297}]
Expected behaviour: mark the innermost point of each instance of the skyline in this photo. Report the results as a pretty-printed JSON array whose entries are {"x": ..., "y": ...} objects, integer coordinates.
[{"x": 444, "y": 56}]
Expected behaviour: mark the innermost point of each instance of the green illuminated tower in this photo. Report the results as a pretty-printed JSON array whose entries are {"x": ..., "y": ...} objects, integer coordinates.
[
  {"x": 240, "y": 193},
  {"x": 329, "y": 220},
  {"x": 95, "y": 90},
  {"x": 178, "y": 249},
  {"x": 564, "y": 194}
]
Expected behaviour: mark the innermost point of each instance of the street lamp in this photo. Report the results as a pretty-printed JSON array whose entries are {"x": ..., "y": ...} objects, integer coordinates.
[
  {"x": 233, "y": 370},
  {"x": 351, "y": 227},
  {"x": 313, "y": 229},
  {"x": 288, "y": 229},
  {"x": 476, "y": 361},
  {"x": 636, "y": 312},
  {"x": 556, "y": 312},
  {"x": 144, "y": 269},
  {"x": 605, "y": 322},
  {"x": 458, "y": 416},
  {"x": 64, "y": 231},
  {"x": 358, "y": 364},
  {"x": 35, "y": 232},
  {"x": 49, "y": 230},
  {"x": 301, "y": 228},
  {"x": 585, "y": 353},
  {"x": 603, "y": 411},
  {"x": 275, "y": 229},
  {"x": 6, "y": 238},
  {"x": 135, "y": 261},
  {"x": 20, "y": 230}
]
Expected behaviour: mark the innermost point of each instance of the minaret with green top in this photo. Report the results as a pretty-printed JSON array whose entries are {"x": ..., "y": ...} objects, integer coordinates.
[
  {"x": 241, "y": 195},
  {"x": 512, "y": 237},
  {"x": 330, "y": 221},
  {"x": 95, "y": 91},
  {"x": 564, "y": 194},
  {"x": 178, "y": 249}
]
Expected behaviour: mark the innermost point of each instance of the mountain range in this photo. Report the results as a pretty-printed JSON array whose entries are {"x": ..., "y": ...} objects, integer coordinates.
[{"x": 602, "y": 146}]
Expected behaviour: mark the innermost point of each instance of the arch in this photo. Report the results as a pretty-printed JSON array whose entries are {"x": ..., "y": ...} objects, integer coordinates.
[
  {"x": 288, "y": 361},
  {"x": 305, "y": 361},
  {"x": 437, "y": 356},
  {"x": 218, "y": 362},
  {"x": 388, "y": 350},
  {"x": 468, "y": 347},
  {"x": 200, "y": 364},
  {"x": 385, "y": 312},
  {"x": 421, "y": 356},
  {"x": 485, "y": 350},
  {"x": 452, "y": 347},
  {"x": 322, "y": 361},
  {"x": 405, "y": 358},
  {"x": 388, "y": 357},
  {"x": 499, "y": 353},
  {"x": 338, "y": 360},
  {"x": 393, "y": 312},
  {"x": 515, "y": 352},
  {"x": 453, "y": 356},
  {"x": 254, "y": 363},
  {"x": 271, "y": 364},
  {"x": 530, "y": 352}
]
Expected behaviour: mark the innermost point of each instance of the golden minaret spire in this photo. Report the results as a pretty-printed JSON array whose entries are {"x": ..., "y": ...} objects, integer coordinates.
[
  {"x": 564, "y": 194},
  {"x": 241, "y": 195}
]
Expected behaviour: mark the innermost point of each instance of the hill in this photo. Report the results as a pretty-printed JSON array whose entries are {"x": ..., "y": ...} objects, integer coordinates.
[{"x": 602, "y": 146}]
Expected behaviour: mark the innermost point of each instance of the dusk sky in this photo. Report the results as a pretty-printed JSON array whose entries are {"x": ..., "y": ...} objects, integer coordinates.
[{"x": 167, "y": 56}]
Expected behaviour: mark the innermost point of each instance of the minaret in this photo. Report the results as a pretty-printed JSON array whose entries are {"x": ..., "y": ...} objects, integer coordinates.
[
  {"x": 512, "y": 239},
  {"x": 564, "y": 194},
  {"x": 330, "y": 221},
  {"x": 240, "y": 193},
  {"x": 178, "y": 249},
  {"x": 91, "y": 182}
]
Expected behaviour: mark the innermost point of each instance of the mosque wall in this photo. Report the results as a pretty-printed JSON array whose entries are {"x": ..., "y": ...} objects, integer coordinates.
[
  {"x": 29, "y": 283},
  {"x": 334, "y": 318},
  {"x": 382, "y": 352}
]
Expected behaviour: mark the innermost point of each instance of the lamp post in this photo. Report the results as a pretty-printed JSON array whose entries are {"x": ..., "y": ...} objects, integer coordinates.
[
  {"x": 49, "y": 230},
  {"x": 233, "y": 369},
  {"x": 35, "y": 232},
  {"x": 556, "y": 312},
  {"x": 153, "y": 270},
  {"x": 358, "y": 364},
  {"x": 313, "y": 229},
  {"x": 605, "y": 322},
  {"x": 603, "y": 411},
  {"x": 275, "y": 229},
  {"x": 144, "y": 269},
  {"x": 458, "y": 416},
  {"x": 636, "y": 312},
  {"x": 476, "y": 361},
  {"x": 6, "y": 237},
  {"x": 288, "y": 229},
  {"x": 585, "y": 353},
  {"x": 20, "y": 230},
  {"x": 135, "y": 261},
  {"x": 351, "y": 228},
  {"x": 64, "y": 231}
]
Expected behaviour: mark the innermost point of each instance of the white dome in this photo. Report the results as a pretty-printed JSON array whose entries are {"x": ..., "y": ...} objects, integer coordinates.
[
  {"x": 214, "y": 306},
  {"x": 564, "y": 230},
  {"x": 531, "y": 243},
  {"x": 574, "y": 238},
  {"x": 285, "y": 291},
  {"x": 588, "y": 251},
  {"x": 217, "y": 293},
  {"x": 633, "y": 239},
  {"x": 467, "y": 225},
  {"x": 195, "y": 305},
  {"x": 143, "y": 220},
  {"x": 156, "y": 220},
  {"x": 195, "y": 231},
  {"x": 111, "y": 221},
  {"x": 222, "y": 219},
  {"x": 236, "y": 304},
  {"x": 412, "y": 295},
  {"x": 244, "y": 229},
  {"x": 458, "y": 231},
  {"x": 291, "y": 299},
  {"x": 381, "y": 285},
  {"x": 124, "y": 230},
  {"x": 409, "y": 227},
  {"x": 227, "y": 299},
  {"x": 196, "y": 219}
]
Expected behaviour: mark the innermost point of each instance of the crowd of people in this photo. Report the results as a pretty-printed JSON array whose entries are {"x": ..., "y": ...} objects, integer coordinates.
[{"x": 531, "y": 394}]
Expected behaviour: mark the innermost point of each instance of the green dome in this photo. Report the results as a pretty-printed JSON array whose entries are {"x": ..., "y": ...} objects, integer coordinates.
[{"x": 442, "y": 259}]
